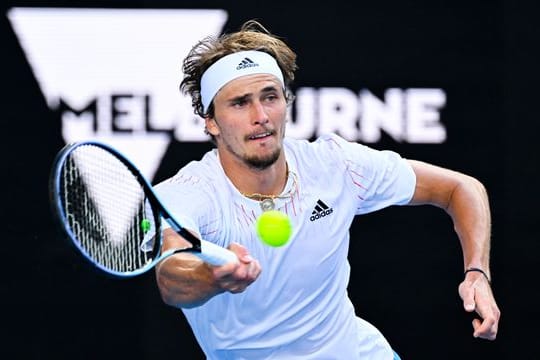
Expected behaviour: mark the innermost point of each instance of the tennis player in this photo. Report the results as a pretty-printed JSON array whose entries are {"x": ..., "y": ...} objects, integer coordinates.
[{"x": 291, "y": 302}]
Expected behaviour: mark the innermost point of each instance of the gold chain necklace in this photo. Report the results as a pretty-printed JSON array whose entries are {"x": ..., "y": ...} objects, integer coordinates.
[{"x": 267, "y": 202}]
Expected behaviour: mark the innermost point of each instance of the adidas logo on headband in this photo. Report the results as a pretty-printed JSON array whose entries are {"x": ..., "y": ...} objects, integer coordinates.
[{"x": 246, "y": 63}]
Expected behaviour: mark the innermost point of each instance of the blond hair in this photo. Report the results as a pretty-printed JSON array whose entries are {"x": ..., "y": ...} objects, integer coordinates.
[{"x": 251, "y": 36}]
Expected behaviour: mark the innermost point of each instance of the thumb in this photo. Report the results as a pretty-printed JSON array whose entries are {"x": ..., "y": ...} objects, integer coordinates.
[
  {"x": 241, "y": 252},
  {"x": 467, "y": 295}
]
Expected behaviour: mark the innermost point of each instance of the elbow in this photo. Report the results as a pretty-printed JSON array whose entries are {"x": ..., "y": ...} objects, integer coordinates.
[
  {"x": 445, "y": 188},
  {"x": 168, "y": 296},
  {"x": 479, "y": 185},
  {"x": 172, "y": 295},
  {"x": 471, "y": 184},
  {"x": 467, "y": 192}
]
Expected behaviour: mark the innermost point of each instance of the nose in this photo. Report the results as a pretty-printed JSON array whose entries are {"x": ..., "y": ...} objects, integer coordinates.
[{"x": 258, "y": 113}]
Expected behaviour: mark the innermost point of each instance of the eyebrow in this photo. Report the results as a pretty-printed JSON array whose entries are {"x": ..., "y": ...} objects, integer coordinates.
[{"x": 265, "y": 90}]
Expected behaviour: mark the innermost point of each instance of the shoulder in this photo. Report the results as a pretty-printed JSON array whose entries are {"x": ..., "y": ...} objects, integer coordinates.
[
  {"x": 196, "y": 174},
  {"x": 335, "y": 152},
  {"x": 327, "y": 148}
]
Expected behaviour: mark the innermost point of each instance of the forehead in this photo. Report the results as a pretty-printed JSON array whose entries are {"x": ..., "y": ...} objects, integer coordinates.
[{"x": 249, "y": 84}]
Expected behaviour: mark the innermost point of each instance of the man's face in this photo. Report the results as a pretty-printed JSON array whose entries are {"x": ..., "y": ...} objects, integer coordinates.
[{"x": 249, "y": 120}]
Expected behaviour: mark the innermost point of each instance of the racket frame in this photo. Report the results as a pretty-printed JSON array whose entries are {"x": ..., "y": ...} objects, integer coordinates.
[{"x": 158, "y": 210}]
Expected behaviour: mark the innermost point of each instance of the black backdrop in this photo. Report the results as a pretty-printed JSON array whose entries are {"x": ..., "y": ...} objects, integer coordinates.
[{"x": 406, "y": 263}]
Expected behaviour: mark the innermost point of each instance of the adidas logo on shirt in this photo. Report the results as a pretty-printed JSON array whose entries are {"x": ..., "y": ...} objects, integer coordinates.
[
  {"x": 321, "y": 210},
  {"x": 246, "y": 63}
]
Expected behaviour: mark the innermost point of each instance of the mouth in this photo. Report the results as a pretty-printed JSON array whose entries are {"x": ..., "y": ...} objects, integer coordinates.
[{"x": 261, "y": 135}]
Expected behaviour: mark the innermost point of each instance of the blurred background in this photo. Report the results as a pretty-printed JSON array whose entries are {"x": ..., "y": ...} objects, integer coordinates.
[{"x": 449, "y": 82}]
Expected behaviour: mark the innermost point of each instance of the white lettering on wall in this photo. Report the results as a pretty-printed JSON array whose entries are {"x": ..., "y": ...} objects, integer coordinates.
[{"x": 405, "y": 115}]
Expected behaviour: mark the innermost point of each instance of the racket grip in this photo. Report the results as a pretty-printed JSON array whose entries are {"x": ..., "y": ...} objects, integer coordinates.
[{"x": 215, "y": 255}]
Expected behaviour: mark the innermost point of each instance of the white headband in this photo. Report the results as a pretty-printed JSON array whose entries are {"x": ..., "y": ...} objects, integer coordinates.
[{"x": 233, "y": 66}]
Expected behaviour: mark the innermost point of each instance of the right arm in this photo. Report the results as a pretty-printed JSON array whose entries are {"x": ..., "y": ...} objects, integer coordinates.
[{"x": 186, "y": 281}]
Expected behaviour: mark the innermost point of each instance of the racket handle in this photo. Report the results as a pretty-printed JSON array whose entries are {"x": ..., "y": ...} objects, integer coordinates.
[{"x": 215, "y": 255}]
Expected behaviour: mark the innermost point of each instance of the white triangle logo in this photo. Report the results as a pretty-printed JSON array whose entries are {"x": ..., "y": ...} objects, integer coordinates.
[{"x": 117, "y": 72}]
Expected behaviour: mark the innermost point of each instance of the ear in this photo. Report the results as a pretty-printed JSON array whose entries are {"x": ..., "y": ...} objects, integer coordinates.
[{"x": 211, "y": 126}]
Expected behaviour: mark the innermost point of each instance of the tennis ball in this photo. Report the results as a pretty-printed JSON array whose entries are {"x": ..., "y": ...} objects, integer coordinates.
[{"x": 274, "y": 228}]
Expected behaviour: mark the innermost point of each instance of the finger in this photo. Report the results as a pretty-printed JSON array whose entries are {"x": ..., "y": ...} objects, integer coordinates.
[
  {"x": 236, "y": 289},
  {"x": 489, "y": 313},
  {"x": 486, "y": 326},
  {"x": 486, "y": 329},
  {"x": 240, "y": 274},
  {"x": 230, "y": 286},
  {"x": 254, "y": 269},
  {"x": 225, "y": 270},
  {"x": 248, "y": 272}
]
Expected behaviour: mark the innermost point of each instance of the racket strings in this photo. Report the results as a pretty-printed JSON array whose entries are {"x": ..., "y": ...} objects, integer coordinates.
[{"x": 105, "y": 207}]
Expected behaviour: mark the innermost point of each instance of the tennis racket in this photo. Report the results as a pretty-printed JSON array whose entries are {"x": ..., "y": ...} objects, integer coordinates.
[{"x": 111, "y": 214}]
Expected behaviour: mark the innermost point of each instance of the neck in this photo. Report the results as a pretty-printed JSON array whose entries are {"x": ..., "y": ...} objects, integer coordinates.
[{"x": 249, "y": 180}]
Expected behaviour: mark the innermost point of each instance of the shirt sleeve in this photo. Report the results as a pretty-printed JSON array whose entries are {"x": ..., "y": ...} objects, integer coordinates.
[
  {"x": 377, "y": 178},
  {"x": 185, "y": 198}
]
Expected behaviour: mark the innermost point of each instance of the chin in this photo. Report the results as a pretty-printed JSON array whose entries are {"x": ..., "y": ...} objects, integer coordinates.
[{"x": 263, "y": 162}]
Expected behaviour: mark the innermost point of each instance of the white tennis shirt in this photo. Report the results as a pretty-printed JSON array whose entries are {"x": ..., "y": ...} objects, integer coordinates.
[{"x": 298, "y": 308}]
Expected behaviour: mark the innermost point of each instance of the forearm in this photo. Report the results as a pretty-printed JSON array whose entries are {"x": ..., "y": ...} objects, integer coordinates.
[
  {"x": 465, "y": 199},
  {"x": 469, "y": 207},
  {"x": 185, "y": 281},
  {"x": 470, "y": 212}
]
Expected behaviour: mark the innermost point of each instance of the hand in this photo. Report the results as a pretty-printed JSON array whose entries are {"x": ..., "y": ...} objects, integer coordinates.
[
  {"x": 475, "y": 291},
  {"x": 236, "y": 277}
]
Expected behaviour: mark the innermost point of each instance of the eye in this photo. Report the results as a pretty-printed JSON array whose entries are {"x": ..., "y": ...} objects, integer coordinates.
[
  {"x": 271, "y": 97},
  {"x": 239, "y": 102}
]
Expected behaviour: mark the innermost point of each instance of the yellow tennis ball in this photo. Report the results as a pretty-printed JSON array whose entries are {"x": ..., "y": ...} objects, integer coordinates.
[{"x": 274, "y": 228}]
